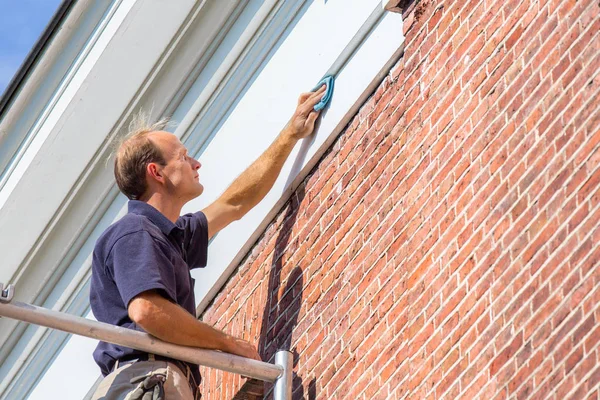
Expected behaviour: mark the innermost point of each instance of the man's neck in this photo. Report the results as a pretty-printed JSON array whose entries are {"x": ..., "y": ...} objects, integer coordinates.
[{"x": 168, "y": 207}]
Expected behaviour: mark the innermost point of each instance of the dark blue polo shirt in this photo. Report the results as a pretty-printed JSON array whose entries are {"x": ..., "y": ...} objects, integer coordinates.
[{"x": 144, "y": 251}]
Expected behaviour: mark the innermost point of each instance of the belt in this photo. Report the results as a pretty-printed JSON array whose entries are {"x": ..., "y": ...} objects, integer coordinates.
[{"x": 180, "y": 364}]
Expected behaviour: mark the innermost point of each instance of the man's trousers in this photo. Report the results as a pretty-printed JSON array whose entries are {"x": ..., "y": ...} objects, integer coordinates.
[{"x": 127, "y": 381}]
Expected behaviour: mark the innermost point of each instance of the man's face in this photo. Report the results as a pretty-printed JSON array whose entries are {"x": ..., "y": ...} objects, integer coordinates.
[{"x": 181, "y": 171}]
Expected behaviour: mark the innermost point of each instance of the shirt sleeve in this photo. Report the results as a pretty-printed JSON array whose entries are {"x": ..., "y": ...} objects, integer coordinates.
[
  {"x": 195, "y": 238},
  {"x": 138, "y": 263}
]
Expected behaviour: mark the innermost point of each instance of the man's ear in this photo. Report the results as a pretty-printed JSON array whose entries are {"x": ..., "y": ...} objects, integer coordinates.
[{"x": 154, "y": 171}]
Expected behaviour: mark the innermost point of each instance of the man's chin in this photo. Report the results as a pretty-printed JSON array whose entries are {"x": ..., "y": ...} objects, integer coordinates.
[{"x": 195, "y": 192}]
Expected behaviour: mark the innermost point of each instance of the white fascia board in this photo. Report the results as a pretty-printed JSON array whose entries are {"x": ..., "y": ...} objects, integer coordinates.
[
  {"x": 84, "y": 116},
  {"x": 78, "y": 29},
  {"x": 43, "y": 128},
  {"x": 72, "y": 134}
]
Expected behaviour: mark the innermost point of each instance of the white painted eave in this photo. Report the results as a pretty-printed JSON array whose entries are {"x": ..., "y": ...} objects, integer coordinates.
[{"x": 39, "y": 246}]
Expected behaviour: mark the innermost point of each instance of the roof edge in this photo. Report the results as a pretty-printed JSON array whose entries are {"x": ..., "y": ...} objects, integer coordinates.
[{"x": 34, "y": 55}]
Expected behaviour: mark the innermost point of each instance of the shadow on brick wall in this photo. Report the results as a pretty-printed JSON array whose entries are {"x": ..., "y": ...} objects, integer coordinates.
[{"x": 280, "y": 315}]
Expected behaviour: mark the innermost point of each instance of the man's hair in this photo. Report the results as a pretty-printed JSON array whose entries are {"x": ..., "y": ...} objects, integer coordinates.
[{"x": 134, "y": 152}]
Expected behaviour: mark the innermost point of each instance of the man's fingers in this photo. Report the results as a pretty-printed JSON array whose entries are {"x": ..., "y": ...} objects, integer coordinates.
[
  {"x": 321, "y": 91},
  {"x": 312, "y": 118},
  {"x": 321, "y": 88},
  {"x": 303, "y": 97},
  {"x": 307, "y": 96},
  {"x": 318, "y": 95},
  {"x": 313, "y": 100}
]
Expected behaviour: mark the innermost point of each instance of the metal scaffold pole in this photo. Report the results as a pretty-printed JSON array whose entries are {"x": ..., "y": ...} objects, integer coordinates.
[
  {"x": 283, "y": 384},
  {"x": 280, "y": 373}
]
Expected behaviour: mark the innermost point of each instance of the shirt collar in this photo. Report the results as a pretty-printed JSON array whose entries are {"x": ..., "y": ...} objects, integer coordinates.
[{"x": 155, "y": 216}]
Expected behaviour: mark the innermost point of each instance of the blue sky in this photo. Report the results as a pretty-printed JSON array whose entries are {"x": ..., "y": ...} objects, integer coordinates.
[{"x": 21, "y": 23}]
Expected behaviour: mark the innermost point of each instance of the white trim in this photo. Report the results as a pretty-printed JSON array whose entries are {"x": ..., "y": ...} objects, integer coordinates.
[
  {"x": 31, "y": 357},
  {"x": 69, "y": 38},
  {"x": 42, "y": 128},
  {"x": 72, "y": 369},
  {"x": 46, "y": 209},
  {"x": 214, "y": 84}
]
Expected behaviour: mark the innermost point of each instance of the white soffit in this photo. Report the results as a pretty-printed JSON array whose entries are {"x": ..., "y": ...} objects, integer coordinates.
[
  {"x": 63, "y": 96},
  {"x": 72, "y": 133},
  {"x": 56, "y": 66},
  {"x": 74, "y": 127}
]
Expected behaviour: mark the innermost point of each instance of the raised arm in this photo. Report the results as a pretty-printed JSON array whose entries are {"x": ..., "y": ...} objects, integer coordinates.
[{"x": 256, "y": 181}]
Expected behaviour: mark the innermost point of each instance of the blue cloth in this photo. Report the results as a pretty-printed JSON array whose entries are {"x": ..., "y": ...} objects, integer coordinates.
[
  {"x": 144, "y": 251},
  {"x": 329, "y": 81}
]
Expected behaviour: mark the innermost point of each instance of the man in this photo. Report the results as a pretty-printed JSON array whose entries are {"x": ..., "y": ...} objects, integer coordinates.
[{"x": 141, "y": 265}]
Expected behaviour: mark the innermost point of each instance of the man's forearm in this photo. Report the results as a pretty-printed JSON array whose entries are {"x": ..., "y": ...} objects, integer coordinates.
[
  {"x": 256, "y": 181},
  {"x": 173, "y": 324}
]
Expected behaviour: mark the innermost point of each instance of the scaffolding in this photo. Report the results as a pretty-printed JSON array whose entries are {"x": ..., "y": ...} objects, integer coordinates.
[{"x": 279, "y": 373}]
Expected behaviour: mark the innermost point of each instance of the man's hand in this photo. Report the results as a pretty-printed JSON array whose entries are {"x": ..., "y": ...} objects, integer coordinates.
[
  {"x": 157, "y": 316},
  {"x": 256, "y": 181},
  {"x": 302, "y": 122},
  {"x": 243, "y": 348}
]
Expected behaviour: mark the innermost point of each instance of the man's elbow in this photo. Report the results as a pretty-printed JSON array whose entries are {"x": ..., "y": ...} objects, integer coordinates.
[
  {"x": 238, "y": 212},
  {"x": 221, "y": 213},
  {"x": 141, "y": 311},
  {"x": 234, "y": 211}
]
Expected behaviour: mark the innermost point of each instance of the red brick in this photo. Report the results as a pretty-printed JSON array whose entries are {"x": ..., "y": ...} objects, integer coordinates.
[{"x": 506, "y": 354}]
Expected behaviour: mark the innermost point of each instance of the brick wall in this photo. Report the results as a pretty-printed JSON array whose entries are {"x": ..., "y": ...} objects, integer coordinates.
[{"x": 446, "y": 246}]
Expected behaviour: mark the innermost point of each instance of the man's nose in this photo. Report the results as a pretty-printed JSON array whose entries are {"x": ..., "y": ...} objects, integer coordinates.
[{"x": 197, "y": 164}]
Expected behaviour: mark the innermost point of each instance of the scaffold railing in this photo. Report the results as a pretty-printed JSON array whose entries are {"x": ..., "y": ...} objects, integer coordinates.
[{"x": 279, "y": 373}]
